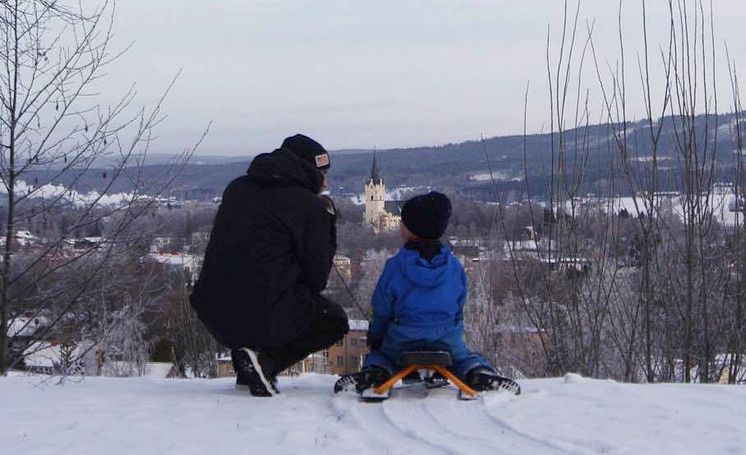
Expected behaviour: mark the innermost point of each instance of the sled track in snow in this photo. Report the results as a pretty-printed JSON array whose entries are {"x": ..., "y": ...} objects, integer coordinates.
[
  {"x": 377, "y": 433},
  {"x": 438, "y": 423},
  {"x": 194, "y": 417},
  {"x": 414, "y": 418}
]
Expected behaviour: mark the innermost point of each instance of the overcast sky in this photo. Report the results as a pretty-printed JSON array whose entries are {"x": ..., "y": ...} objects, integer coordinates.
[{"x": 354, "y": 74}]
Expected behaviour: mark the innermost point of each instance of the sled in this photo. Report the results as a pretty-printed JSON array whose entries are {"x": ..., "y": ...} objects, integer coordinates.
[{"x": 436, "y": 361}]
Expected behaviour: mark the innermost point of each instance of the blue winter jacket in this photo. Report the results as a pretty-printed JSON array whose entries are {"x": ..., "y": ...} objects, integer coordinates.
[{"x": 417, "y": 301}]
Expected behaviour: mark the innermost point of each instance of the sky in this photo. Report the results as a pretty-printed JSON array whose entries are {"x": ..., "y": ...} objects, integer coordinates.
[{"x": 389, "y": 73}]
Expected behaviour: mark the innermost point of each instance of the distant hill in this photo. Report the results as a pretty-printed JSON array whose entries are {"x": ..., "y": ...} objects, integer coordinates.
[{"x": 467, "y": 167}]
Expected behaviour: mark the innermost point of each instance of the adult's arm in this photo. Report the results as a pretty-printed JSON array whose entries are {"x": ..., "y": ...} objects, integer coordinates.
[{"x": 317, "y": 247}]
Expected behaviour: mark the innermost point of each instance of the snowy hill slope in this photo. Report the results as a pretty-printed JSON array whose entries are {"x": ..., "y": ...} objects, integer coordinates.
[{"x": 172, "y": 416}]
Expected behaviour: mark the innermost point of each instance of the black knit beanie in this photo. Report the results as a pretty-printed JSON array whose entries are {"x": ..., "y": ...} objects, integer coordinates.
[
  {"x": 307, "y": 149},
  {"x": 427, "y": 215}
]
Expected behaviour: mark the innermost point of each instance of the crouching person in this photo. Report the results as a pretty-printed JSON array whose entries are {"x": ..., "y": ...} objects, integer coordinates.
[
  {"x": 418, "y": 303},
  {"x": 268, "y": 259}
]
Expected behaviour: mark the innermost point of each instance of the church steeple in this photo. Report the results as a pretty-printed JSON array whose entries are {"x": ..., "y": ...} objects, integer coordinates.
[
  {"x": 374, "y": 178},
  {"x": 376, "y": 214}
]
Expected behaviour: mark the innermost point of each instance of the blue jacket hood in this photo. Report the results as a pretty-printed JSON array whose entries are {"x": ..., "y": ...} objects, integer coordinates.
[
  {"x": 422, "y": 272},
  {"x": 418, "y": 299}
]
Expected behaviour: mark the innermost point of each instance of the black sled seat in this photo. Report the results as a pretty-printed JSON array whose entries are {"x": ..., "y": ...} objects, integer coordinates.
[{"x": 425, "y": 360}]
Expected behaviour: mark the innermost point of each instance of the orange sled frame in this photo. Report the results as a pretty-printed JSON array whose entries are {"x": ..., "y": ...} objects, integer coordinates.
[{"x": 426, "y": 360}]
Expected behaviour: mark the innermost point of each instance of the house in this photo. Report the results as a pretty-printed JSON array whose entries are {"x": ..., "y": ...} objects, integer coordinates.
[
  {"x": 190, "y": 264},
  {"x": 26, "y": 326},
  {"x": 50, "y": 357},
  {"x": 339, "y": 278},
  {"x": 317, "y": 362},
  {"x": 22, "y": 238},
  {"x": 22, "y": 333},
  {"x": 523, "y": 249},
  {"x": 343, "y": 264},
  {"x": 346, "y": 356},
  {"x": 200, "y": 237},
  {"x": 159, "y": 244},
  {"x": 568, "y": 264},
  {"x": 87, "y": 243}
]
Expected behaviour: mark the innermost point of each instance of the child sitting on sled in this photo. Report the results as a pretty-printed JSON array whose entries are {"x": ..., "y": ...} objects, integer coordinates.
[{"x": 418, "y": 303}]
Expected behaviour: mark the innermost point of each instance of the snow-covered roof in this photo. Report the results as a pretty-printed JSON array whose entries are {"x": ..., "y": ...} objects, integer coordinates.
[
  {"x": 26, "y": 235},
  {"x": 45, "y": 354},
  {"x": 339, "y": 259},
  {"x": 24, "y": 326},
  {"x": 504, "y": 328},
  {"x": 520, "y": 245},
  {"x": 42, "y": 355},
  {"x": 358, "y": 324},
  {"x": 182, "y": 260},
  {"x": 722, "y": 202}
]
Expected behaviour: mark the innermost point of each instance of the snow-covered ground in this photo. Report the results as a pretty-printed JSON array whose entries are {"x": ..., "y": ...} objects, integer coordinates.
[{"x": 178, "y": 416}]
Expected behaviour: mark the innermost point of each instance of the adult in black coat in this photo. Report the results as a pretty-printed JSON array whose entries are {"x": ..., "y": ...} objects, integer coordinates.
[{"x": 268, "y": 259}]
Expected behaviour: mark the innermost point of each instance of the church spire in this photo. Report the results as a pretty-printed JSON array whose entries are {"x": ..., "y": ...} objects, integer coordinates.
[{"x": 374, "y": 169}]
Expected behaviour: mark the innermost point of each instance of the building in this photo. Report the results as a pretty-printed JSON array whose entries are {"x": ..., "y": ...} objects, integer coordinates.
[
  {"x": 22, "y": 238},
  {"x": 161, "y": 244},
  {"x": 190, "y": 264},
  {"x": 343, "y": 265},
  {"x": 337, "y": 287},
  {"x": 382, "y": 215},
  {"x": 317, "y": 362},
  {"x": 346, "y": 356}
]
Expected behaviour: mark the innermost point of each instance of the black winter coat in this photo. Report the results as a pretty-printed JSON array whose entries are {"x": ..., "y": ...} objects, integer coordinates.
[{"x": 269, "y": 255}]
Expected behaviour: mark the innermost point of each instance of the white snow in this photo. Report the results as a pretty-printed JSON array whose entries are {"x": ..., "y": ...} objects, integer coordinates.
[
  {"x": 180, "y": 416},
  {"x": 721, "y": 203},
  {"x": 498, "y": 176},
  {"x": 401, "y": 193},
  {"x": 358, "y": 324},
  {"x": 177, "y": 260},
  {"x": 24, "y": 326},
  {"x": 45, "y": 354},
  {"x": 50, "y": 191}
]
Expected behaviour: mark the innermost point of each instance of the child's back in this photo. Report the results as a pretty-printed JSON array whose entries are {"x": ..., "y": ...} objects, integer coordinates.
[{"x": 419, "y": 301}]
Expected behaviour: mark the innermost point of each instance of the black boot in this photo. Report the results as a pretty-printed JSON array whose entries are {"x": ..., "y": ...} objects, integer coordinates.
[
  {"x": 364, "y": 379},
  {"x": 483, "y": 379},
  {"x": 250, "y": 373}
]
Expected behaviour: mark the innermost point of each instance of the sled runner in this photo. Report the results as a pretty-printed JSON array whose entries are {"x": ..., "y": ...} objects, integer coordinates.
[
  {"x": 426, "y": 360},
  {"x": 434, "y": 364}
]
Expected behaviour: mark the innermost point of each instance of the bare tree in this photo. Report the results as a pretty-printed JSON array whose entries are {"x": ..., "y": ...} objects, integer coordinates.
[
  {"x": 634, "y": 290},
  {"x": 54, "y": 139}
]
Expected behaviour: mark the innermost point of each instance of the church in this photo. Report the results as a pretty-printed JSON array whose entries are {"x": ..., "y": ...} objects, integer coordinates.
[{"x": 381, "y": 214}]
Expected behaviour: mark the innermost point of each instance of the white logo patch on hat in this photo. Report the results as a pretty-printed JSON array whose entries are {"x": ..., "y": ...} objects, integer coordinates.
[{"x": 322, "y": 160}]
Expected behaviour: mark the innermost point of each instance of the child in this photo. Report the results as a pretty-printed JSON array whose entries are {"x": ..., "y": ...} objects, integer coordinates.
[{"x": 418, "y": 303}]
